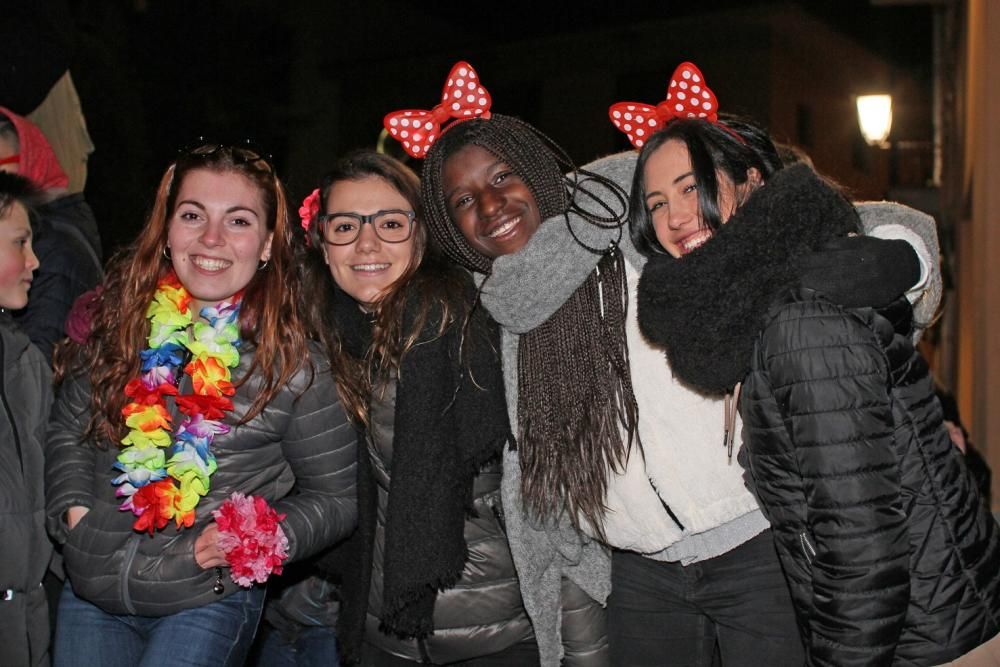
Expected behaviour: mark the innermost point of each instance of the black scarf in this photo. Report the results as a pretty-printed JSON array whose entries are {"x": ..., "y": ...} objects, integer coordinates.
[
  {"x": 707, "y": 308},
  {"x": 450, "y": 420}
]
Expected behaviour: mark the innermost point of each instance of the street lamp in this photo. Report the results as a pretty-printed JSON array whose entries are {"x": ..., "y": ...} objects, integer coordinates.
[{"x": 875, "y": 118}]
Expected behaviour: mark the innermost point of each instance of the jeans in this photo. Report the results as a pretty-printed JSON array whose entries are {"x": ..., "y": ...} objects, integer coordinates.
[
  {"x": 314, "y": 646},
  {"x": 215, "y": 635},
  {"x": 734, "y": 609}
]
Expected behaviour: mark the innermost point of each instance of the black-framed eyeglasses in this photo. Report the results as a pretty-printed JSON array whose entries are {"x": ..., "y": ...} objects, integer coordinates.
[
  {"x": 243, "y": 152},
  {"x": 344, "y": 228}
]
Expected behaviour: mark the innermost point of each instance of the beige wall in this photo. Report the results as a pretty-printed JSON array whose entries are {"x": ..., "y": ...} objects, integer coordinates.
[{"x": 977, "y": 266}]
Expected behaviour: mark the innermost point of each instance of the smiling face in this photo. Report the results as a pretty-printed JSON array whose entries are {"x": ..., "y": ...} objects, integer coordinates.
[
  {"x": 672, "y": 198},
  {"x": 489, "y": 203},
  {"x": 366, "y": 268},
  {"x": 17, "y": 259},
  {"x": 217, "y": 234}
]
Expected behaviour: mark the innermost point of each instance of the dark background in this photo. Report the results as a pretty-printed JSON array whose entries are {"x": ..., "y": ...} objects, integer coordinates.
[{"x": 311, "y": 79}]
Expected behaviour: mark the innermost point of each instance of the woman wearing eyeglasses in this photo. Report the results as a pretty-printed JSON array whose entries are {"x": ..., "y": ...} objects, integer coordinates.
[
  {"x": 417, "y": 365},
  {"x": 196, "y": 382}
]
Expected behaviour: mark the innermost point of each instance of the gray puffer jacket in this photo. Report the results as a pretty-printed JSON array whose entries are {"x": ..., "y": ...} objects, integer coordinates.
[
  {"x": 25, "y": 550},
  {"x": 301, "y": 438},
  {"x": 483, "y": 612}
]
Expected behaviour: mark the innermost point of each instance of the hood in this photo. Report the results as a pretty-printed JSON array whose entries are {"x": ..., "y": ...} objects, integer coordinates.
[{"x": 38, "y": 161}]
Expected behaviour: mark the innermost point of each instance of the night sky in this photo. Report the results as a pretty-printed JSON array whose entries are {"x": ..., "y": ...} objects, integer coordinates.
[{"x": 153, "y": 75}]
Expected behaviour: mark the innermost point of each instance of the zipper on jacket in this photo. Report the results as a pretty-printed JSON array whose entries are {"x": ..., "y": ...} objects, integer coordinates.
[
  {"x": 130, "y": 549},
  {"x": 807, "y": 548},
  {"x": 425, "y": 656},
  {"x": 500, "y": 517},
  {"x": 6, "y": 407},
  {"x": 670, "y": 513},
  {"x": 666, "y": 507}
]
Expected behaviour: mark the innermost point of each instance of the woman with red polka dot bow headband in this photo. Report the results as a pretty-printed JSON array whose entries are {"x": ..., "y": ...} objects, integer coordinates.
[{"x": 495, "y": 190}]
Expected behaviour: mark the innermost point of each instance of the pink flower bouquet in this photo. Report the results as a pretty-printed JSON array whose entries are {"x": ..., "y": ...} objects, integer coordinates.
[{"x": 251, "y": 537}]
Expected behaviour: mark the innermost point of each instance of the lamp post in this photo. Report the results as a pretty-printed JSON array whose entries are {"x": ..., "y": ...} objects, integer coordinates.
[
  {"x": 875, "y": 118},
  {"x": 875, "y": 121}
]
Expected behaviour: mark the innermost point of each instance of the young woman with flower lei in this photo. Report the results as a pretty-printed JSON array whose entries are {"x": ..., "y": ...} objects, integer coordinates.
[{"x": 184, "y": 422}]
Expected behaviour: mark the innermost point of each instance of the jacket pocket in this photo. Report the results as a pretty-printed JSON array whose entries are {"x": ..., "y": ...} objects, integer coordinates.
[
  {"x": 93, "y": 549},
  {"x": 73, "y": 534}
]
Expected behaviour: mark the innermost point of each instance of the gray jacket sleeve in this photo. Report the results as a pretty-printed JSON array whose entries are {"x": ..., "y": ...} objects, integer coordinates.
[
  {"x": 890, "y": 220},
  {"x": 320, "y": 446},
  {"x": 69, "y": 464}
]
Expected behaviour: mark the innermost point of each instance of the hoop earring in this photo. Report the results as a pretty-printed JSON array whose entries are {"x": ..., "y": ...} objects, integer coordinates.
[
  {"x": 166, "y": 253},
  {"x": 262, "y": 266}
]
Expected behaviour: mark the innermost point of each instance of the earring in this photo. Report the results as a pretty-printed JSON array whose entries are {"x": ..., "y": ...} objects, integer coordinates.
[
  {"x": 262, "y": 265},
  {"x": 166, "y": 253}
]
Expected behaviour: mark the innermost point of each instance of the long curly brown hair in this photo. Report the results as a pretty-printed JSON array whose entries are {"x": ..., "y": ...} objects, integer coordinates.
[{"x": 270, "y": 318}]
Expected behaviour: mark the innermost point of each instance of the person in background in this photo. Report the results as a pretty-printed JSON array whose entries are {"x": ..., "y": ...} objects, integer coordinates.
[
  {"x": 26, "y": 394},
  {"x": 978, "y": 468},
  {"x": 40, "y": 41},
  {"x": 68, "y": 243}
]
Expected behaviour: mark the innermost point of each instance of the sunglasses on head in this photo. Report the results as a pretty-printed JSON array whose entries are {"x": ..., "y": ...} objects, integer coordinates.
[{"x": 244, "y": 152}]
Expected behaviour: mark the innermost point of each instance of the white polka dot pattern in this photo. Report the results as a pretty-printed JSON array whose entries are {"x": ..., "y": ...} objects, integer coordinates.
[
  {"x": 463, "y": 98},
  {"x": 687, "y": 97}
]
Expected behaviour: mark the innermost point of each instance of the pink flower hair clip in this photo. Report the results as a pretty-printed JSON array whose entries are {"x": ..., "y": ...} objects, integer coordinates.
[{"x": 309, "y": 209}]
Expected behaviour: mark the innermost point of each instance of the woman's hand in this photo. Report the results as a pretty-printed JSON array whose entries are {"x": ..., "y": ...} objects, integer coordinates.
[
  {"x": 74, "y": 514},
  {"x": 206, "y": 548}
]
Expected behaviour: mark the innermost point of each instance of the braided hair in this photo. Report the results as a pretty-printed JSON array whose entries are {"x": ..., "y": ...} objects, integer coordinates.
[
  {"x": 513, "y": 141},
  {"x": 574, "y": 385}
]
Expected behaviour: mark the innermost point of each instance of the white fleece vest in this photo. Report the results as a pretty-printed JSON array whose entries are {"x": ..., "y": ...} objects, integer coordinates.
[{"x": 684, "y": 462}]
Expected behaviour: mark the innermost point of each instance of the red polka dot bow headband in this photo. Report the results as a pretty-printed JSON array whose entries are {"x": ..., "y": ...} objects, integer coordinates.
[
  {"x": 687, "y": 97},
  {"x": 463, "y": 98}
]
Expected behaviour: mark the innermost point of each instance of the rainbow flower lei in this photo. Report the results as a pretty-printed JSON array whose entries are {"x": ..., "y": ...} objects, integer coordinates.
[{"x": 157, "y": 488}]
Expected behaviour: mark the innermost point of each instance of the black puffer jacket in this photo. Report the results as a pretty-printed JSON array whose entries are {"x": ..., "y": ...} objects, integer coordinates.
[
  {"x": 69, "y": 255},
  {"x": 25, "y": 550},
  {"x": 889, "y": 556},
  {"x": 301, "y": 438}
]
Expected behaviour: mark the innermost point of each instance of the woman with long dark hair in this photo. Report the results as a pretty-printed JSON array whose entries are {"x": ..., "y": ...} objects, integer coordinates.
[{"x": 889, "y": 557}]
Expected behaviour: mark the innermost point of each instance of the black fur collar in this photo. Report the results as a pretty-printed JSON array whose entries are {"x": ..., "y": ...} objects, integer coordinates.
[{"x": 707, "y": 308}]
